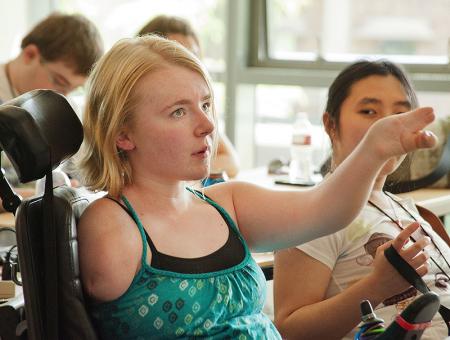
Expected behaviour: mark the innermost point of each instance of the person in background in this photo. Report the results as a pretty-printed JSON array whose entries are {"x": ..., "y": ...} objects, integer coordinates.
[
  {"x": 338, "y": 271},
  {"x": 180, "y": 30},
  {"x": 56, "y": 54},
  {"x": 159, "y": 259}
]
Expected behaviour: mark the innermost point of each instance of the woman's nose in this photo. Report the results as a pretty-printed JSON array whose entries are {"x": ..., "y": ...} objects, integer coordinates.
[{"x": 205, "y": 124}]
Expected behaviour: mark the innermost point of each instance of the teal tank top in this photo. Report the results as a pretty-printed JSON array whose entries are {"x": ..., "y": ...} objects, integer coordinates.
[{"x": 162, "y": 304}]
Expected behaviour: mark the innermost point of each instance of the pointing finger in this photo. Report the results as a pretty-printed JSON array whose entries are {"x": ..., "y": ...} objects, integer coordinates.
[{"x": 404, "y": 235}]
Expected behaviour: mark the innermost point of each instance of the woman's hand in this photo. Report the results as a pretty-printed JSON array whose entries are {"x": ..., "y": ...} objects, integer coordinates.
[
  {"x": 386, "y": 277},
  {"x": 399, "y": 134}
]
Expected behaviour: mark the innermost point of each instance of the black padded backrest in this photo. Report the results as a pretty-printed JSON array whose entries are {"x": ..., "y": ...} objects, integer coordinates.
[
  {"x": 74, "y": 321},
  {"x": 38, "y": 130}
]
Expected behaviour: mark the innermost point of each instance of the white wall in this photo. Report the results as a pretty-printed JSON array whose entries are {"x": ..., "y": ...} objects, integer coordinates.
[
  {"x": 13, "y": 20},
  {"x": 16, "y": 18}
]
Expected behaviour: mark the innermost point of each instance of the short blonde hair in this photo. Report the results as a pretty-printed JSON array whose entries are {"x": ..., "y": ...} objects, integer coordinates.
[{"x": 111, "y": 100}]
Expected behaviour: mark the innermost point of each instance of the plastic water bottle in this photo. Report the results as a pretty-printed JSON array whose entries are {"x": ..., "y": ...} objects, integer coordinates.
[{"x": 301, "y": 166}]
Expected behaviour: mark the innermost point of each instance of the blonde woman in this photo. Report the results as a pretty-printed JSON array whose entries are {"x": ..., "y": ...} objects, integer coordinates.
[{"x": 161, "y": 260}]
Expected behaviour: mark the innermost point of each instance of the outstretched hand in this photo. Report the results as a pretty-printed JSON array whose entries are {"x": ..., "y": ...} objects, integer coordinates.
[
  {"x": 402, "y": 133},
  {"x": 390, "y": 281}
]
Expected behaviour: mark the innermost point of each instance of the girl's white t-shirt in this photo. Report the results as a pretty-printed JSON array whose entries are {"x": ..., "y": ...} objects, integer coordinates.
[{"x": 349, "y": 254}]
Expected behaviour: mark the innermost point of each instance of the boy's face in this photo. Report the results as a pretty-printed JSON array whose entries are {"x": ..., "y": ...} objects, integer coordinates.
[
  {"x": 38, "y": 73},
  {"x": 60, "y": 77}
]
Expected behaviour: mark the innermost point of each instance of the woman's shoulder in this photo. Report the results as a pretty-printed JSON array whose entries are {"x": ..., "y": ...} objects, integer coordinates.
[
  {"x": 106, "y": 222},
  {"x": 228, "y": 192},
  {"x": 232, "y": 188},
  {"x": 107, "y": 242},
  {"x": 220, "y": 192},
  {"x": 102, "y": 209}
]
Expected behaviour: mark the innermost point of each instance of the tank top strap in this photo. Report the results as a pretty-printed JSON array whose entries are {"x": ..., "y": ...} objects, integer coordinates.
[
  {"x": 144, "y": 235},
  {"x": 222, "y": 211},
  {"x": 121, "y": 205}
]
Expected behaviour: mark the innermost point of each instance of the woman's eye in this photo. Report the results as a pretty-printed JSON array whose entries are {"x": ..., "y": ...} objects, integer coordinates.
[
  {"x": 178, "y": 113},
  {"x": 367, "y": 111},
  {"x": 206, "y": 107}
]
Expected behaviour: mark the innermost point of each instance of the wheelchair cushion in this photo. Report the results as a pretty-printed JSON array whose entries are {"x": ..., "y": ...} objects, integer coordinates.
[
  {"x": 38, "y": 130},
  {"x": 74, "y": 320}
]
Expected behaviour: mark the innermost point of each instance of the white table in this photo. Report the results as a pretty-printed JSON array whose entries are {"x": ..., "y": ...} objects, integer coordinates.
[{"x": 435, "y": 200}]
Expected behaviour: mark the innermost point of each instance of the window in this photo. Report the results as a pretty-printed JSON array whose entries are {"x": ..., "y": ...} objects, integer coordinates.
[
  {"x": 276, "y": 108},
  {"x": 124, "y": 18},
  {"x": 405, "y": 31},
  {"x": 298, "y": 47}
]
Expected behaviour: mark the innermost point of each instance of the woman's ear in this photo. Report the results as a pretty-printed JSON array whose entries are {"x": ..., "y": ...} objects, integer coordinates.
[
  {"x": 124, "y": 142},
  {"x": 330, "y": 125}
]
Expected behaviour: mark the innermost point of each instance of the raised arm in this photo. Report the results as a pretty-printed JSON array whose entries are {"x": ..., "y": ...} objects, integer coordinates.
[
  {"x": 275, "y": 219},
  {"x": 301, "y": 306}
]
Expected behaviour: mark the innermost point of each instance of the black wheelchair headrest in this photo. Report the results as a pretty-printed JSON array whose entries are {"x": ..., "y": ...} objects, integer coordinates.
[{"x": 38, "y": 130}]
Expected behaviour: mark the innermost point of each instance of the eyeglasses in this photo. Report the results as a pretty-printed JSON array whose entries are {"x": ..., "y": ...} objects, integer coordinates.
[{"x": 59, "y": 82}]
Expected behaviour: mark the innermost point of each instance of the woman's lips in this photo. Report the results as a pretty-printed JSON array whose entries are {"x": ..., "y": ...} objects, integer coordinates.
[{"x": 203, "y": 153}]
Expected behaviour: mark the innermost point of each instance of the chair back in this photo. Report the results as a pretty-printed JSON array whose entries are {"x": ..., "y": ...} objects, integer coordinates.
[
  {"x": 73, "y": 318},
  {"x": 38, "y": 131}
]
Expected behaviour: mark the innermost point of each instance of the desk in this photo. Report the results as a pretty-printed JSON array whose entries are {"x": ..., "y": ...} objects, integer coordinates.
[
  {"x": 17, "y": 301},
  {"x": 6, "y": 220},
  {"x": 435, "y": 200}
]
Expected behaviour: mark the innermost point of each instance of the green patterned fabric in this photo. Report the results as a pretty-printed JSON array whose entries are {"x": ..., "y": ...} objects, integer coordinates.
[{"x": 161, "y": 304}]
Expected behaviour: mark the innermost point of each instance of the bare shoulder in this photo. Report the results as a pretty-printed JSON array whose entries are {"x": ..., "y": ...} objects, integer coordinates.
[
  {"x": 222, "y": 193},
  {"x": 110, "y": 249},
  {"x": 98, "y": 210},
  {"x": 104, "y": 218},
  {"x": 237, "y": 191},
  {"x": 229, "y": 193},
  {"x": 228, "y": 189}
]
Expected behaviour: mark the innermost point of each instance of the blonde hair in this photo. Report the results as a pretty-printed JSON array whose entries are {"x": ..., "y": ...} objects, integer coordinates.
[{"x": 111, "y": 100}]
